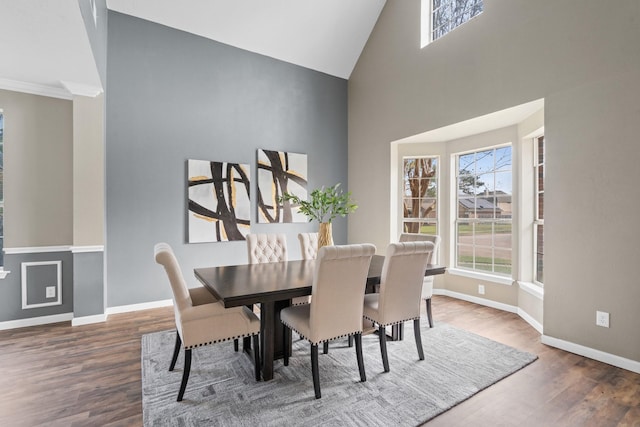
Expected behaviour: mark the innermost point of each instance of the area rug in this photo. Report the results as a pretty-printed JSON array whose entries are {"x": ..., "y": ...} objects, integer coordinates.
[{"x": 222, "y": 390}]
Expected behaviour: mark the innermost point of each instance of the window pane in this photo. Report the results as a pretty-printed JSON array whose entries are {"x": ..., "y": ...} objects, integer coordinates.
[
  {"x": 502, "y": 237},
  {"x": 484, "y": 161},
  {"x": 484, "y": 230},
  {"x": 465, "y": 256},
  {"x": 467, "y": 207},
  {"x": 428, "y": 208},
  {"x": 502, "y": 261},
  {"x": 504, "y": 207},
  {"x": 420, "y": 195},
  {"x": 541, "y": 206},
  {"x": 541, "y": 150},
  {"x": 466, "y": 164},
  {"x": 503, "y": 158},
  {"x": 541, "y": 178},
  {"x": 410, "y": 227}
]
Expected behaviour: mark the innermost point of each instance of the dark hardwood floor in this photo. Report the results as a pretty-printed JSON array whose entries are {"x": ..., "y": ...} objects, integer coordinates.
[{"x": 58, "y": 375}]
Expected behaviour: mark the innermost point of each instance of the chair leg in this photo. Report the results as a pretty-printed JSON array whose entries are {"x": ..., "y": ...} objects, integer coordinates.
[
  {"x": 185, "y": 373},
  {"x": 287, "y": 343},
  {"x": 235, "y": 345},
  {"x": 363, "y": 375},
  {"x": 416, "y": 332},
  {"x": 325, "y": 347},
  {"x": 176, "y": 351},
  {"x": 256, "y": 355},
  {"x": 350, "y": 341},
  {"x": 383, "y": 347},
  {"x": 314, "y": 370},
  {"x": 429, "y": 315}
]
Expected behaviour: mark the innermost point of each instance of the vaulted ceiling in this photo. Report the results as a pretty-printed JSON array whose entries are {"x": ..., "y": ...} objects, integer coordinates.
[{"x": 44, "y": 42}]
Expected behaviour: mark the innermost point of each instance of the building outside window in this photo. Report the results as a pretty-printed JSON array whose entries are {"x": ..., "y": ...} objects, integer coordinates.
[
  {"x": 420, "y": 195},
  {"x": 441, "y": 16},
  {"x": 538, "y": 224},
  {"x": 483, "y": 225}
]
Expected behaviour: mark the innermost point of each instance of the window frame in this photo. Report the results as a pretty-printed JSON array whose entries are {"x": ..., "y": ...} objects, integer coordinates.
[
  {"x": 436, "y": 220},
  {"x": 428, "y": 10},
  {"x": 493, "y": 221},
  {"x": 537, "y": 221}
]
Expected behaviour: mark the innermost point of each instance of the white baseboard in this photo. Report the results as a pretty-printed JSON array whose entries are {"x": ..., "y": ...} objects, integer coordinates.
[
  {"x": 35, "y": 321},
  {"x": 530, "y": 320},
  {"x": 476, "y": 300},
  {"x": 87, "y": 320},
  {"x": 592, "y": 353},
  {"x": 493, "y": 304},
  {"x": 141, "y": 306}
]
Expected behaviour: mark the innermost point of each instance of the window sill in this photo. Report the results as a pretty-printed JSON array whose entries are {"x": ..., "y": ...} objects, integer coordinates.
[
  {"x": 533, "y": 289},
  {"x": 502, "y": 280},
  {"x": 3, "y": 273}
]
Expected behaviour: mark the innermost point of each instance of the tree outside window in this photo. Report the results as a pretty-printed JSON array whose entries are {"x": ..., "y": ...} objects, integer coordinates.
[{"x": 420, "y": 195}]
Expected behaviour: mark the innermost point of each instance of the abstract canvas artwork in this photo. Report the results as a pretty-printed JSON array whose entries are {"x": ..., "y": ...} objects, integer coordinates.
[
  {"x": 280, "y": 172},
  {"x": 219, "y": 203}
]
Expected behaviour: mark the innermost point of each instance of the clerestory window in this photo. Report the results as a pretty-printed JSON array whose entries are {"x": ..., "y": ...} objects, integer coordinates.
[{"x": 441, "y": 16}]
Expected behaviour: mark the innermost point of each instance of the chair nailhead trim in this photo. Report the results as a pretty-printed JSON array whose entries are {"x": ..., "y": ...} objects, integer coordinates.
[
  {"x": 391, "y": 323},
  {"x": 328, "y": 339},
  {"x": 220, "y": 340}
]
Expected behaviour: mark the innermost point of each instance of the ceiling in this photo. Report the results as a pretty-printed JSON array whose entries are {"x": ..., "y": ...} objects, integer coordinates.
[{"x": 44, "y": 45}]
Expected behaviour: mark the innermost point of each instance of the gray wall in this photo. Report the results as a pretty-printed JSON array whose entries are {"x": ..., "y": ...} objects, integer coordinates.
[
  {"x": 582, "y": 57},
  {"x": 173, "y": 96}
]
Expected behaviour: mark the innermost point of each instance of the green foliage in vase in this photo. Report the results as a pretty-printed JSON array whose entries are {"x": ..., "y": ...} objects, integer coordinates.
[{"x": 325, "y": 204}]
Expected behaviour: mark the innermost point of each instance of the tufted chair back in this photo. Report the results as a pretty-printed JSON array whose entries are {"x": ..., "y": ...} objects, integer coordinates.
[
  {"x": 308, "y": 245},
  {"x": 427, "y": 286},
  {"x": 266, "y": 248}
]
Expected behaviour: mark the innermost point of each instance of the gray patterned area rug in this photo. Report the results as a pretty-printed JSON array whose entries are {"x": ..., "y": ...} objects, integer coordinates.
[{"x": 222, "y": 390}]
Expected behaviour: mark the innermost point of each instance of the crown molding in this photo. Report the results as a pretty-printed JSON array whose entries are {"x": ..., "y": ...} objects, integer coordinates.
[
  {"x": 80, "y": 89},
  {"x": 35, "y": 89}
]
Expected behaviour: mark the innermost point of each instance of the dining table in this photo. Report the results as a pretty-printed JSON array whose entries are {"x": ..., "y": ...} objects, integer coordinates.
[{"x": 272, "y": 286}]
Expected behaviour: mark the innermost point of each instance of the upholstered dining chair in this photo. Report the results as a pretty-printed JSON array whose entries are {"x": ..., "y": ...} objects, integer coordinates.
[
  {"x": 201, "y": 319},
  {"x": 427, "y": 282},
  {"x": 264, "y": 248},
  {"x": 308, "y": 245},
  {"x": 335, "y": 310},
  {"x": 399, "y": 296}
]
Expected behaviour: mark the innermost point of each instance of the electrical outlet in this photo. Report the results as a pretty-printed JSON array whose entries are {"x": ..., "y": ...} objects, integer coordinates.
[
  {"x": 602, "y": 319},
  {"x": 481, "y": 289},
  {"x": 51, "y": 291}
]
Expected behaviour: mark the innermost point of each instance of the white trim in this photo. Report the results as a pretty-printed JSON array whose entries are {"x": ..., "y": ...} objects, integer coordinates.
[
  {"x": 476, "y": 300},
  {"x": 532, "y": 289},
  {"x": 141, "y": 306},
  {"x": 493, "y": 304},
  {"x": 3, "y": 273},
  {"x": 87, "y": 320},
  {"x": 58, "y": 300},
  {"x": 36, "y": 249},
  {"x": 592, "y": 353},
  {"x": 501, "y": 280},
  {"x": 35, "y": 321},
  {"x": 81, "y": 249},
  {"x": 35, "y": 89},
  {"x": 82, "y": 89},
  {"x": 530, "y": 320}
]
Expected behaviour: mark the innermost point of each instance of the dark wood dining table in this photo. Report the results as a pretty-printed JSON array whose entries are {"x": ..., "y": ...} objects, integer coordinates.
[{"x": 272, "y": 285}]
